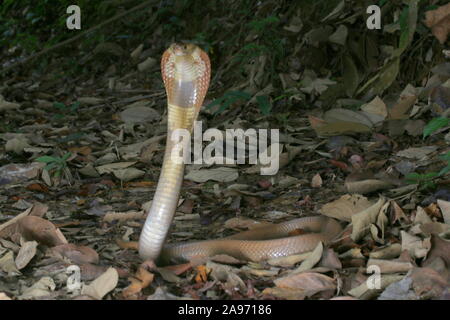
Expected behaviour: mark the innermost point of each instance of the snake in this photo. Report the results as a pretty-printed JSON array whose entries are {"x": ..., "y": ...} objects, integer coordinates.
[{"x": 186, "y": 72}]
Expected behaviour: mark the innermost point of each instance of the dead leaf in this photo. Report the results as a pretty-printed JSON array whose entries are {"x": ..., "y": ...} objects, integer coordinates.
[
  {"x": 362, "y": 220},
  {"x": 316, "y": 181},
  {"x": 390, "y": 266},
  {"x": 390, "y": 252},
  {"x": 309, "y": 282},
  {"x": 44, "y": 287},
  {"x": 445, "y": 209},
  {"x": 439, "y": 22},
  {"x": 26, "y": 253},
  {"x": 313, "y": 258},
  {"x": 102, "y": 285},
  {"x": 427, "y": 283},
  {"x": 346, "y": 206},
  {"x": 8, "y": 265},
  {"x": 416, "y": 247}
]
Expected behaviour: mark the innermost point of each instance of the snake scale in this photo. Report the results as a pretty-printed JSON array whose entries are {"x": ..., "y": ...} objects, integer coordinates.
[{"x": 186, "y": 71}]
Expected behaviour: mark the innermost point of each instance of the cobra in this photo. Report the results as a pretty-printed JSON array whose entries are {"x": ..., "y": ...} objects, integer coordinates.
[{"x": 186, "y": 74}]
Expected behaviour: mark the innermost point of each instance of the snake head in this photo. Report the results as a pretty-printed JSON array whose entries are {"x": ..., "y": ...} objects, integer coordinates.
[
  {"x": 183, "y": 49},
  {"x": 185, "y": 62}
]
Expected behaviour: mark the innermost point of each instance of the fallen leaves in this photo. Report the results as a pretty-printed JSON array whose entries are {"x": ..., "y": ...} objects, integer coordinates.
[{"x": 439, "y": 22}]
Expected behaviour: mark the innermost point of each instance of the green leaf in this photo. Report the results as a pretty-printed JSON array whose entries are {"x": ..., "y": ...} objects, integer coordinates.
[
  {"x": 445, "y": 157},
  {"x": 264, "y": 104},
  {"x": 350, "y": 75},
  {"x": 51, "y": 165},
  {"x": 434, "y": 125},
  {"x": 66, "y": 156},
  {"x": 59, "y": 105},
  {"x": 444, "y": 170},
  {"x": 46, "y": 159}
]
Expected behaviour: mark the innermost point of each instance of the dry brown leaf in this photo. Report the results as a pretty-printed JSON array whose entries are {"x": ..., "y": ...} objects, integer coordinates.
[
  {"x": 416, "y": 247},
  {"x": 3, "y": 296},
  {"x": 313, "y": 258},
  {"x": 390, "y": 252},
  {"x": 439, "y": 22},
  {"x": 362, "y": 220},
  {"x": 310, "y": 282},
  {"x": 102, "y": 285},
  {"x": 316, "y": 181},
  {"x": 390, "y": 266},
  {"x": 427, "y": 283},
  {"x": 330, "y": 260},
  {"x": 26, "y": 253},
  {"x": 400, "y": 110},
  {"x": 346, "y": 206},
  {"x": 440, "y": 248},
  {"x": 445, "y": 209}
]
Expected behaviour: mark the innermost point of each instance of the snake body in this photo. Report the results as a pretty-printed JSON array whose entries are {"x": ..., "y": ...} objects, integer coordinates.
[{"x": 186, "y": 73}]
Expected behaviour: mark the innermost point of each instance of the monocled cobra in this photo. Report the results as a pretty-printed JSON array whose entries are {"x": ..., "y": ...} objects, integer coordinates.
[{"x": 186, "y": 73}]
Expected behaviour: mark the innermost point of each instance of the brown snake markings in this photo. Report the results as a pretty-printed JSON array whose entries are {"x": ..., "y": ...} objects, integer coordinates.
[{"x": 186, "y": 73}]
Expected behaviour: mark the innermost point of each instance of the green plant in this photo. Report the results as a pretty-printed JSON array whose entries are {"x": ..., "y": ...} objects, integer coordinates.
[
  {"x": 56, "y": 165},
  {"x": 425, "y": 180},
  {"x": 268, "y": 42},
  {"x": 64, "y": 109},
  {"x": 231, "y": 97},
  {"x": 434, "y": 125}
]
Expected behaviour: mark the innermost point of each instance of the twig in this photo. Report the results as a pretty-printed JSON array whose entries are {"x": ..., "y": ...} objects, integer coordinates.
[{"x": 65, "y": 42}]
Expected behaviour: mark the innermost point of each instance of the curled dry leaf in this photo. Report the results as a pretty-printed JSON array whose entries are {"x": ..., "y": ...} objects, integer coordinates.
[
  {"x": 346, "y": 206},
  {"x": 445, "y": 209},
  {"x": 440, "y": 248},
  {"x": 416, "y": 247},
  {"x": 102, "y": 285},
  {"x": 362, "y": 220},
  {"x": 312, "y": 259},
  {"x": 390, "y": 252},
  {"x": 26, "y": 253},
  {"x": 330, "y": 260},
  {"x": 310, "y": 282},
  {"x": 42, "y": 288},
  {"x": 3, "y": 296},
  {"x": 364, "y": 292},
  {"x": 8, "y": 265},
  {"x": 390, "y": 266}
]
